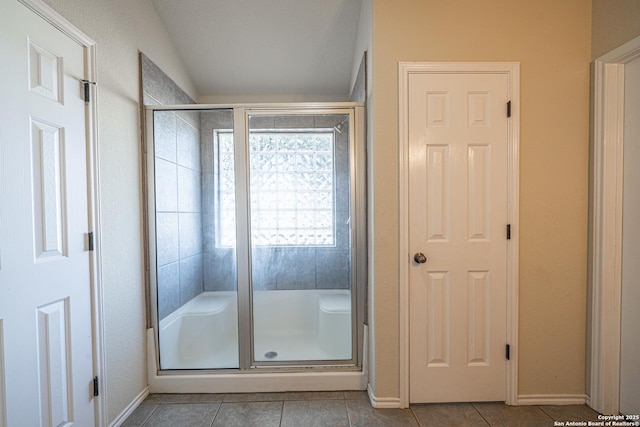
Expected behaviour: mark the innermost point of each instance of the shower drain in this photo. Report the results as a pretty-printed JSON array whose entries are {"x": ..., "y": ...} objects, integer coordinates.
[{"x": 271, "y": 354}]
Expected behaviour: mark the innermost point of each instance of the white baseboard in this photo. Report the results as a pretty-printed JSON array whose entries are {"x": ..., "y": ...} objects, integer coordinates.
[
  {"x": 130, "y": 408},
  {"x": 382, "y": 402},
  {"x": 523, "y": 399},
  {"x": 551, "y": 399}
]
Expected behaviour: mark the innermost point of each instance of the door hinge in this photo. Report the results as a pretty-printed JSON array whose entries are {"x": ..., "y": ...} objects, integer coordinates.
[
  {"x": 508, "y": 231},
  {"x": 86, "y": 84},
  {"x": 96, "y": 386},
  {"x": 90, "y": 239},
  {"x": 508, "y": 353},
  {"x": 508, "y": 108}
]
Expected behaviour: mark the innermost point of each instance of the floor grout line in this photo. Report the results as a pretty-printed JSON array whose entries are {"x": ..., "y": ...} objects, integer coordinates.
[
  {"x": 414, "y": 416},
  {"x": 216, "y": 415},
  {"x": 146, "y": 420},
  {"x": 473, "y": 405},
  {"x": 545, "y": 412}
]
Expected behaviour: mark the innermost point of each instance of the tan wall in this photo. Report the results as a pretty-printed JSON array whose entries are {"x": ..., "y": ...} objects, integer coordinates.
[
  {"x": 614, "y": 23},
  {"x": 121, "y": 28},
  {"x": 551, "y": 40}
]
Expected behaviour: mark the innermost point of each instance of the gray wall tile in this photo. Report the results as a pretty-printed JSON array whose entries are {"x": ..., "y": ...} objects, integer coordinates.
[
  {"x": 333, "y": 269},
  {"x": 343, "y": 230},
  {"x": 156, "y": 83},
  {"x": 164, "y": 136},
  {"x": 294, "y": 122},
  {"x": 220, "y": 263},
  {"x": 188, "y": 190},
  {"x": 190, "y": 229},
  {"x": 261, "y": 122},
  {"x": 208, "y": 195},
  {"x": 181, "y": 97},
  {"x": 149, "y": 100},
  {"x": 168, "y": 291},
  {"x": 297, "y": 269},
  {"x": 265, "y": 267},
  {"x": 166, "y": 186},
  {"x": 220, "y": 271},
  {"x": 167, "y": 242},
  {"x": 188, "y": 144},
  {"x": 342, "y": 192},
  {"x": 191, "y": 278},
  {"x": 328, "y": 121},
  {"x": 190, "y": 116},
  {"x": 179, "y": 238}
]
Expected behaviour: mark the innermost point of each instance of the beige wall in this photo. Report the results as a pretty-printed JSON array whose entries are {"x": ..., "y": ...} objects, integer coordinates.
[
  {"x": 551, "y": 40},
  {"x": 614, "y": 23},
  {"x": 121, "y": 28}
]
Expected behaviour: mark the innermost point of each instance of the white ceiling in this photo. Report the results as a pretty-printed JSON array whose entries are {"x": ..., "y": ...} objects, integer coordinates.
[{"x": 265, "y": 47}]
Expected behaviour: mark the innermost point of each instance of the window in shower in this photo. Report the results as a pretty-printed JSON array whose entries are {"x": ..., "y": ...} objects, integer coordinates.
[{"x": 292, "y": 182}]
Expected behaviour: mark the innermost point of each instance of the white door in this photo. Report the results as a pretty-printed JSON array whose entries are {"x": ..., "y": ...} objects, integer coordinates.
[
  {"x": 458, "y": 139},
  {"x": 45, "y": 284},
  {"x": 629, "y": 337}
]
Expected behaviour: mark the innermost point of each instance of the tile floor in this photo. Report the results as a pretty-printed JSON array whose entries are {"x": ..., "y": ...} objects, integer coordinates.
[{"x": 336, "y": 409}]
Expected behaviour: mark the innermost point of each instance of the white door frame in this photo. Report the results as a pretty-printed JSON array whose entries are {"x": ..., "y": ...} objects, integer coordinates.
[
  {"x": 512, "y": 70},
  {"x": 61, "y": 23},
  {"x": 605, "y": 268}
]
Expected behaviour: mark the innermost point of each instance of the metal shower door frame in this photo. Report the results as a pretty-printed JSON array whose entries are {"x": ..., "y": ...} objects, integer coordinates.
[{"x": 357, "y": 163}]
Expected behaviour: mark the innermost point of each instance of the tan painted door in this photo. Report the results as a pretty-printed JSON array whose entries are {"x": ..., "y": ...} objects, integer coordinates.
[
  {"x": 45, "y": 282},
  {"x": 458, "y": 139}
]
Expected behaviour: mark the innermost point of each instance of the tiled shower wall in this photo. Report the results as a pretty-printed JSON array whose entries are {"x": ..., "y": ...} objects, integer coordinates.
[
  {"x": 187, "y": 257},
  {"x": 178, "y": 192},
  {"x": 220, "y": 273},
  {"x": 280, "y": 268}
]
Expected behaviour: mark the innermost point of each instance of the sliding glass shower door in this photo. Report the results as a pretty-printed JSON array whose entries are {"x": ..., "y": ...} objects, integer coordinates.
[{"x": 256, "y": 254}]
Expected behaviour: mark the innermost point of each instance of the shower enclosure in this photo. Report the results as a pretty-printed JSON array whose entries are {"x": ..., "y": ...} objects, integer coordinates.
[{"x": 257, "y": 244}]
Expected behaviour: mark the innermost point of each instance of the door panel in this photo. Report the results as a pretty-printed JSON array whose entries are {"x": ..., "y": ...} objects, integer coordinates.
[
  {"x": 458, "y": 215},
  {"x": 301, "y": 276},
  {"x": 45, "y": 286}
]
